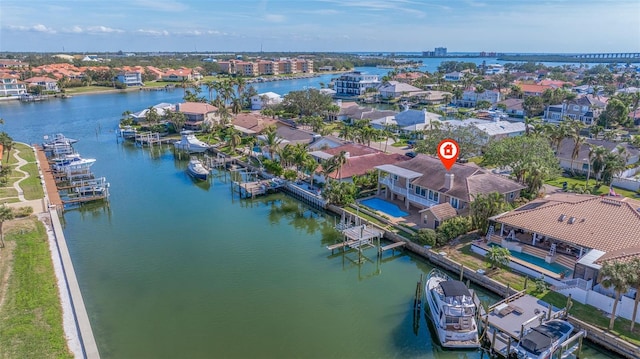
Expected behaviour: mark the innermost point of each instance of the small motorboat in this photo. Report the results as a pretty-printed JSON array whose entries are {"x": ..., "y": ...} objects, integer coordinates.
[
  {"x": 197, "y": 169},
  {"x": 543, "y": 341},
  {"x": 71, "y": 162},
  {"x": 188, "y": 142}
]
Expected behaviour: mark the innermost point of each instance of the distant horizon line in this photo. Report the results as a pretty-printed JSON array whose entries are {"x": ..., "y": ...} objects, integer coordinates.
[{"x": 320, "y": 52}]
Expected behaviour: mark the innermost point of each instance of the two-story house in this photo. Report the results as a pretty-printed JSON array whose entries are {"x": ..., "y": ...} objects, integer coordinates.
[
  {"x": 395, "y": 89},
  {"x": 197, "y": 113},
  {"x": 129, "y": 78},
  {"x": 585, "y": 109},
  {"x": 470, "y": 98},
  {"x": 47, "y": 83},
  {"x": 423, "y": 183},
  {"x": 355, "y": 83},
  {"x": 11, "y": 86}
]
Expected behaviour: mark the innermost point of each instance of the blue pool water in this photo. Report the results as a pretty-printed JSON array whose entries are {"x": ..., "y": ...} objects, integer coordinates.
[
  {"x": 540, "y": 262},
  {"x": 384, "y": 206}
]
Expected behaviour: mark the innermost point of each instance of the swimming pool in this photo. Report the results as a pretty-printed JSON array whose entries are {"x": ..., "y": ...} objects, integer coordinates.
[
  {"x": 539, "y": 262},
  {"x": 384, "y": 206}
]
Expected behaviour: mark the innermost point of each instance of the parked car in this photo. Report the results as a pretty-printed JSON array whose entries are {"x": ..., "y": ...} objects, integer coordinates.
[{"x": 410, "y": 154}]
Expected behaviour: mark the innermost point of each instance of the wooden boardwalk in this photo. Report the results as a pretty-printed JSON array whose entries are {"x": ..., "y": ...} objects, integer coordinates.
[{"x": 49, "y": 181}]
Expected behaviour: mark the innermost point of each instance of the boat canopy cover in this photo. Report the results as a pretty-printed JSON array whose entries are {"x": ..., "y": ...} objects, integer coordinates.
[
  {"x": 454, "y": 288},
  {"x": 540, "y": 338}
]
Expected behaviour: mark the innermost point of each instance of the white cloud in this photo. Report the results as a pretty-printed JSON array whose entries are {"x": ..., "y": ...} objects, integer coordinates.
[
  {"x": 274, "y": 18},
  {"x": 153, "y": 32},
  {"x": 73, "y": 30},
  {"x": 35, "y": 28},
  {"x": 103, "y": 30}
]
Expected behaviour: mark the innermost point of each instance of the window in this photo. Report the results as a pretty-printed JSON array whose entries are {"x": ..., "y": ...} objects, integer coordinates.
[
  {"x": 576, "y": 108},
  {"x": 436, "y": 224},
  {"x": 511, "y": 195},
  {"x": 454, "y": 202},
  {"x": 435, "y": 196}
]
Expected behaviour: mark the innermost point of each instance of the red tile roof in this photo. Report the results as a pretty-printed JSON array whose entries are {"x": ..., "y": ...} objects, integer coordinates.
[
  {"x": 196, "y": 107},
  {"x": 603, "y": 223}
]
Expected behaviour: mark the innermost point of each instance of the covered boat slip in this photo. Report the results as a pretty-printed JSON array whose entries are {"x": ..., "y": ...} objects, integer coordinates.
[
  {"x": 541, "y": 338},
  {"x": 506, "y": 321}
]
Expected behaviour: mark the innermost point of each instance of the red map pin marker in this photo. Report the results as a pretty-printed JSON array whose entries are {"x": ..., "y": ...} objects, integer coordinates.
[{"x": 448, "y": 152}]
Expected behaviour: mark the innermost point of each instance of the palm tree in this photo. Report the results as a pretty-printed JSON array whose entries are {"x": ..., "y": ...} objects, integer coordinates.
[
  {"x": 598, "y": 155},
  {"x": 615, "y": 274},
  {"x": 236, "y": 106},
  {"x": 346, "y": 131},
  {"x": 634, "y": 281},
  {"x": 310, "y": 165},
  {"x": 478, "y": 90},
  {"x": 573, "y": 131},
  {"x": 340, "y": 161},
  {"x": 389, "y": 132},
  {"x": 271, "y": 140},
  {"x": 6, "y": 214},
  {"x": 211, "y": 85},
  {"x": 498, "y": 257}
]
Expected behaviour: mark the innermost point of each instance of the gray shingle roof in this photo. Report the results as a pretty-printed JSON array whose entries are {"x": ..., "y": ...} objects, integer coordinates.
[{"x": 468, "y": 181}]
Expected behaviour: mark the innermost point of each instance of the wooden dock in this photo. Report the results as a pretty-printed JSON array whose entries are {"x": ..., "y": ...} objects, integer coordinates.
[
  {"x": 49, "y": 181},
  {"x": 151, "y": 138},
  {"x": 507, "y": 320},
  {"x": 255, "y": 188},
  {"x": 392, "y": 246}
]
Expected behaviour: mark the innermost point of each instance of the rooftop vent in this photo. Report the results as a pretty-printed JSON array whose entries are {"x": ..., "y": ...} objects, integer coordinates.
[
  {"x": 572, "y": 219},
  {"x": 562, "y": 217}
]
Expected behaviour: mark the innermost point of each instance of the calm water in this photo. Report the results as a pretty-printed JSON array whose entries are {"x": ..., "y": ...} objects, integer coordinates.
[{"x": 173, "y": 269}]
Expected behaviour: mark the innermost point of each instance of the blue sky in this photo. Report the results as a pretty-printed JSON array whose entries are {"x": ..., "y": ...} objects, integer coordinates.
[{"x": 320, "y": 25}]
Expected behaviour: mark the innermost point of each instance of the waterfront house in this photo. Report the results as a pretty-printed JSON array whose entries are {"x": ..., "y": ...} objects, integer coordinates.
[
  {"x": 177, "y": 75},
  {"x": 359, "y": 160},
  {"x": 493, "y": 129},
  {"x": 129, "y": 78},
  {"x": 423, "y": 182},
  {"x": 355, "y": 83},
  {"x": 252, "y": 123},
  {"x": 10, "y": 85},
  {"x": 47, "y": 83},
  {"x": 579, "y": 232},
  {"x": 198, "y": 114},
  {"x": 262, "y": 100},
  {"x": 160, "y": 109},
  {"x": 395, "y": 89},
  {"x": 585, "y": 109}
]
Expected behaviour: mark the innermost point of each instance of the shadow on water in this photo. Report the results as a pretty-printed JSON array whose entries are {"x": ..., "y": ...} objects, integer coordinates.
[{"x": 94, "y": 209}]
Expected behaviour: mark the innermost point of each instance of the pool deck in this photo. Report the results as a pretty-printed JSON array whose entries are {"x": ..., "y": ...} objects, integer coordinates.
[
  {"x": 412, "y": 219},
  {"x": 523, "y": 263}
]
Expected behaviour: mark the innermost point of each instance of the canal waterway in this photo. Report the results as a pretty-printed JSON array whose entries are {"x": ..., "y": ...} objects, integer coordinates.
[{"x": 173, "y": 269}]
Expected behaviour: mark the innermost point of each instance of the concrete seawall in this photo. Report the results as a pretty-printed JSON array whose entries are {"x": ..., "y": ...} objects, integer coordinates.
[
  {"x": 76, "y": 323},
  {"x": 87, "y": 340}
]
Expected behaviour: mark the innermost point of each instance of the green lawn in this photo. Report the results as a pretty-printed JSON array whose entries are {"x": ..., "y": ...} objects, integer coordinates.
[
  {"x": 84, "y": 89},
  {"x": 582, "y": 182},
  {"x": 7, "y": 192},
  {"x": 31, "y": 315},
  {"x": 31, "y": 186},
  {"x": 26, "y": 152}
]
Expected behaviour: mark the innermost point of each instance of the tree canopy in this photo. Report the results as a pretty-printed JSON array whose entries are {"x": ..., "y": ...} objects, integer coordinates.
[
  {"x": 531, "y": 159},
  {"x": 309, "y": 102}
]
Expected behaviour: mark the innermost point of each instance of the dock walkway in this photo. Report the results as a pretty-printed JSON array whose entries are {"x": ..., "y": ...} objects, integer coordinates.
[{"x": 48, "y": 178}]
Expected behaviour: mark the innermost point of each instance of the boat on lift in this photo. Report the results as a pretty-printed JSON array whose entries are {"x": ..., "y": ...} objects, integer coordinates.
[
  {"x": 197, "y": 169},
  {"x": 188, "y": 142}
]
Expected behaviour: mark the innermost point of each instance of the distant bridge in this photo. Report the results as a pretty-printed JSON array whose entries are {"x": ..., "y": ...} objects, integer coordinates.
[{"x": 615, "y": 55}]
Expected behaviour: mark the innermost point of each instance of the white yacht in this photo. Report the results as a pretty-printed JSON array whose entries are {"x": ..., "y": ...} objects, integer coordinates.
[
  {"x": 542, "y": 341},
  {"x": 452, "y": 310},
  {"x": 72, "y": 162},
  {"x": 57, "y": 139},
  {"x": 190, "y": 143}
]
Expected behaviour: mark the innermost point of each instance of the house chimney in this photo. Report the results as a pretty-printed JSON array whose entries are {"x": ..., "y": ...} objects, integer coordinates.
[{"x": 448, "y": 180}]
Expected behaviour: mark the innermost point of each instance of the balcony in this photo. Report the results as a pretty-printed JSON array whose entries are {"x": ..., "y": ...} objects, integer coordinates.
[
  {"x": 421, "y": 200},
  {"x": 391, "y": 184}
]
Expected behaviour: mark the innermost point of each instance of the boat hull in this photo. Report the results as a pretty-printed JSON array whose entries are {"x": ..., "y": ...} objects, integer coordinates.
[
  {"x": 447, "y": 338},
  {"x": 197, "y": 170}
]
